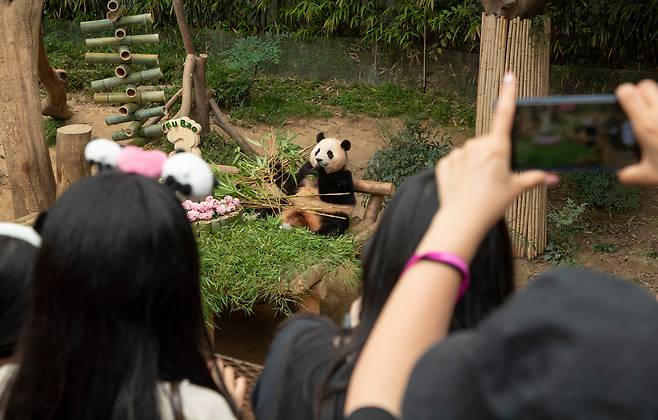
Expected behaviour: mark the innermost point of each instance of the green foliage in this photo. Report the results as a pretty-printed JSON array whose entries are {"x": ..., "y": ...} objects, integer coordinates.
[
  {"x": 607, "y": 248},
  {"x": 50, "y": 127},
  {"x": 563, "y": 225},
  {"x": 253, "y": 261},
  {"x": 409, "y": 151},
  {"x": 216, "y": 149},
  {"x": 233, "y": 76},
  {"x": 583, "y": 32},
  {"x": 602, "y": 189}
]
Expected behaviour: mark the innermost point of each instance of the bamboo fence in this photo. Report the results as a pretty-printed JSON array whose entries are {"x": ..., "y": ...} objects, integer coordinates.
[
  {"x": 136, "y": 101},
  {"x": 514, "y": 45}
]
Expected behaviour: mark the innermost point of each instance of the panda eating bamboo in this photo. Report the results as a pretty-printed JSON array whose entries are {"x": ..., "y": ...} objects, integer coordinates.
[{"x": 333, "y": 184}]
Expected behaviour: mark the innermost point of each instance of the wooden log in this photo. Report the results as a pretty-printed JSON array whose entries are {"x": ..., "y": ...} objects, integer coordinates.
[
  {"x": 27, "y": 220},
  {"x": 201, "y": 94},
  {"x": 55, "y": 81},
  {"x": 372, "y": 210},
  {"x": 188, "y": 72},
  {"x": 70, "y": 149},
  {"x": 129, "y": 40},
  {"x": 221, "y": 122},
  {"x": 133, "y": 78},
  {"x": 122, "y": 70},
  {"x": 385, "y": 189},
  {"x": 115, "y": 15},
  {"x": 108, "y": 24},
  {"x": 129, "y": 108},
  {"x": 142, "y": 97},
  {"x": 108, "y": 58}
]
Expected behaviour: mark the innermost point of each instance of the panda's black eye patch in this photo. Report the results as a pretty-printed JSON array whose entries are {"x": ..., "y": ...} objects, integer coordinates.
[
  {"x": 316, "y": 152},
  {"x": 330, "y": 154}
]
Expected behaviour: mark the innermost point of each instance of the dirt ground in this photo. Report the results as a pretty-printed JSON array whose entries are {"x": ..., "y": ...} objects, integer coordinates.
[{"x": 633, "y": 237}]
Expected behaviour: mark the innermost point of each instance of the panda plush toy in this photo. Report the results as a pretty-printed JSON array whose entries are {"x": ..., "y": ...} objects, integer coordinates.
[{"x": 333, "y": 184}]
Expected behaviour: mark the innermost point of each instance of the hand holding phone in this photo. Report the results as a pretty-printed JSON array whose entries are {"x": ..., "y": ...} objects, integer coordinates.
[{"x": 571, "y": 133}]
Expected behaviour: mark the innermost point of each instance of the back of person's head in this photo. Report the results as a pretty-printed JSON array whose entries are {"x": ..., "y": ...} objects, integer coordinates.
[
  {"x": 575, "y": 344},
  {"x": 16, "y": 261},
  {"x": 400, "y": 230},
  {"x": 116, "y": 305}
]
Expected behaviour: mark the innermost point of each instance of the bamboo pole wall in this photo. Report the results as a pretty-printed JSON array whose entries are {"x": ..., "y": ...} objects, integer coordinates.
[{"x": 513, "y": 45}]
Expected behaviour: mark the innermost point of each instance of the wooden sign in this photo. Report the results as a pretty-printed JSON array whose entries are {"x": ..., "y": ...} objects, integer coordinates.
[{"x": 184, "y": 133}]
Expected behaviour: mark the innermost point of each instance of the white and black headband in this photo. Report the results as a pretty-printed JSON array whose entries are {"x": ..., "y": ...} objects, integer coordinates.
[{"x": 21, "y": 233}]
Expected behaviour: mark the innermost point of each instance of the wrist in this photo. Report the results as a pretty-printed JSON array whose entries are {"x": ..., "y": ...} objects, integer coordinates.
[{"x": 452, "y": 232}]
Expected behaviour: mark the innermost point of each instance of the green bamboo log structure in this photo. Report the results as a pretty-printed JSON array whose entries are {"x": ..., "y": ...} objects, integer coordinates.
[
  {"x": 142, "y": 97},
  {"x": 129, "y": 108},
  {"x": 113, "y": 5},
  {"x": 120, "y": 33},
  {"x": 115, "y": 15},
  {"x": 134, "y": 127},
  {"x": 129, "y": 40},
  {"x": 107, "y": 24},
  {"x": 109, "y": 58},
  {"x": 122, "y": 70},
  {"x": 140, "y": 114},
  {"x": 112, "y": 82},
  {"x": 124, "y": 53},
  {"x": 149, "y": 132},
  {"x": 139, "y": 141},
  {"x": 131, "y": 90}
]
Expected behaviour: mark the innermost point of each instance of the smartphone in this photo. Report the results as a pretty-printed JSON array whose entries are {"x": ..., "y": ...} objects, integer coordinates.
[{"x": 571, "y": 133}]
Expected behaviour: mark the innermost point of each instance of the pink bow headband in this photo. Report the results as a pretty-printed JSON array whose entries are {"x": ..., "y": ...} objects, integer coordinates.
[{"x": 185, "y": 173}]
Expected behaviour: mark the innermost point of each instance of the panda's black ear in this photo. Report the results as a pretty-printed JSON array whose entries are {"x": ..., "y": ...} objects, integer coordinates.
[
  {"x": 319, "y": 137},
  {"x": 346, "y": 145}
]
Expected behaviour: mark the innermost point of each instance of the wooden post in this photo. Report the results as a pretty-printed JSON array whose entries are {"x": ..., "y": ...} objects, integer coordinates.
[
  {"x": 30, "y": 172},
  {"x": 71, "y": 164},
  {"x": 507, "y": 45}
]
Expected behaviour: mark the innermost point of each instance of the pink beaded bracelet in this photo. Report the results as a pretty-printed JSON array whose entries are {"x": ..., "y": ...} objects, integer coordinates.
[{"x": 448, "y": 259}]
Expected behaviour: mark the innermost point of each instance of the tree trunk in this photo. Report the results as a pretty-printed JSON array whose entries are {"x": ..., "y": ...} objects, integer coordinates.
[
  {"x": 511, "y": 9},
  {"x": 21, "y": 126},
  {"x": 55, "y": 82}
]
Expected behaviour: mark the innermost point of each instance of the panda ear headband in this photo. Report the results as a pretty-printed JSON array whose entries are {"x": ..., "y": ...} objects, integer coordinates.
[
  {"x": 21, "y": 233},
  {"x": 184, "y": 173}
]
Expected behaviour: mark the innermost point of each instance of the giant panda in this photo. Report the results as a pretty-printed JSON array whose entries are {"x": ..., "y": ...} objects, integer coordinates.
[{"x": 333, "y": 184}]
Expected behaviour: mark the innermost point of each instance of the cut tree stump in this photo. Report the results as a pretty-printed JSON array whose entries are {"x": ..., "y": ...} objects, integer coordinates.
[{"x": 71, "y": 164}]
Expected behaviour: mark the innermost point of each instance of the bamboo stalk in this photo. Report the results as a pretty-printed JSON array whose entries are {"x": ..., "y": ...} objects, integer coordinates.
[
  {"x": 139, "y": 59},
  {"x": 481, "y": 77},
  {"x": 129, "y": 40},
  {"x": 131, "y": 90},
  {"x": 121, "y": 135},
  {"x": 121, "y": 70},
  {"x": 485, "y": 63},
  {"x": 133, "y": 128},
  {"x": 125, "y": 54},
  {"x": 149, "y": 132},
  {"x": 139, "y": 114},
  {"x": 188, "y": 72},
  {"x": 133, "y": 78},
  {"x": 532, "y": 229},
  {"x": 107, "y": 24},
  {"x": 201, "y": 94},
  {"x": 115, "y": 15},
  {"x": 113, "y": 5},
  {"x": 142, "y": 97},
  {"x": 120, "y": 33},
  {"x": 140, "y": 141},
  {"x": 128, "y": 109}
]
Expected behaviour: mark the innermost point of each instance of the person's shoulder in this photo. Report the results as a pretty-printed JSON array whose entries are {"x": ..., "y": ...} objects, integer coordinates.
[
  {"x": 199, "y": 403},
  {"x": 6, "y": 372},
  {"x": 203, "y": 403},
  {"x": 303, "y": 324}
]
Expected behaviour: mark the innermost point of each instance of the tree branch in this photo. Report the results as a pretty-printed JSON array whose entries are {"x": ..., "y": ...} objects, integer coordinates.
[{"x": 182, "y": 26}]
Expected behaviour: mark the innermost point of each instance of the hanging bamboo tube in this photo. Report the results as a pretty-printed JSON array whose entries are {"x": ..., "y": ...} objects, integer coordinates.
[
  {"x": 139, "y": 114},
  {"x": 107, "y": 24},
  {"x": 131, "y": 90},
  {"x": 120, "y": 33},
  {"x": 128, "y": 109},
  {"x": 121, "y": 70},
  {"x": 133, "y": 78},
  {"x": 142, "y": 97},
  {"x": 129, "y": 40},
  {"x": 108, "y": 58},
  {"x": 114, "y": 15}
]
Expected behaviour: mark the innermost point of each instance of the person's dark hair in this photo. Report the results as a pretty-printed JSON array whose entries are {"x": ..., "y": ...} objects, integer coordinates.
[
  {"x": 16, "y": 261},
  {"x": 400, "y": 230},
  {"x": 116, "y": 306}
]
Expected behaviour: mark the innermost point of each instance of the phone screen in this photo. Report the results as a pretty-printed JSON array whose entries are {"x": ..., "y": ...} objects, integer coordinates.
[{"x": 572, "y": 132}]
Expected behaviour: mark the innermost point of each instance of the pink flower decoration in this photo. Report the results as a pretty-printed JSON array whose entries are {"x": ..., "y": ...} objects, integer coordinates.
[
  {"x": 188, "y": 205},
  {"x": 133, "y": 160},
  {"x": 193, "y": 215},
  {"x": 206, "y": 215}
]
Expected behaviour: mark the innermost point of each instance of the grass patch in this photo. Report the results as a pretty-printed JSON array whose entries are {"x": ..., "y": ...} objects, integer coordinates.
[
  {"x": 607, "y": 248},
  {"x": 50, "y": 127},
  {"x": 253, "y": 261}
]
